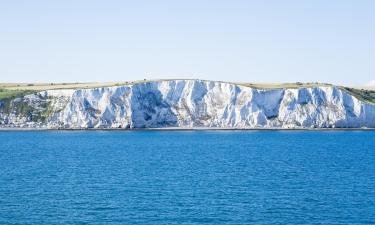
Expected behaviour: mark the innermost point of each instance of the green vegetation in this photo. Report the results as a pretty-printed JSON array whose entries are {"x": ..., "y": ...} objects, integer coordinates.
[
  {"x": 8, "y": 93},
  {"x": 8, "y": 104},
  {"x": 362, "y": 94},
  {"x": 57, "y": 86},
  {"x": 46, "y": 113},
  {"x": 19, "y": 107}
]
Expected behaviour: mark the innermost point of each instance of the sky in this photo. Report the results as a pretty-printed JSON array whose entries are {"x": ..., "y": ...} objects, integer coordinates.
[{"x": 244, "y": 41}]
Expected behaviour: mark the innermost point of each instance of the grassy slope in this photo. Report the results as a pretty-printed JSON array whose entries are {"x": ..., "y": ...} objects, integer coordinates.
[
  {"x": 362, "y": 94},
  {"x": 8, "y": 93},
  {"x": 11, "y": 90},
  {"x": 366, "y": 94}
]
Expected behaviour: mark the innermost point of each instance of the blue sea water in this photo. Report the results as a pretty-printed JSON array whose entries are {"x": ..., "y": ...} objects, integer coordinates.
[{"x": 187, "y": 177}]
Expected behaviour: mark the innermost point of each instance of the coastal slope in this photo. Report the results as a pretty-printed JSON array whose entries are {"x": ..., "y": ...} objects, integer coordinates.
[{"x": 188, "y": 104}]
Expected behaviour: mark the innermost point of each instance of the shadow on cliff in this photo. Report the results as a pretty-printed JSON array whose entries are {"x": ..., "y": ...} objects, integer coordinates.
[{"x": 149, "y": 109}]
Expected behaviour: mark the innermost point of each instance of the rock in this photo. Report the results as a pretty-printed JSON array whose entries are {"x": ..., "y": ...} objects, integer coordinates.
[{"x": 191, "y": 104}]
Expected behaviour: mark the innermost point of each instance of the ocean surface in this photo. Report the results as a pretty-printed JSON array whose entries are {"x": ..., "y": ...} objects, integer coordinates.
[{"x": 187, "y": 177}]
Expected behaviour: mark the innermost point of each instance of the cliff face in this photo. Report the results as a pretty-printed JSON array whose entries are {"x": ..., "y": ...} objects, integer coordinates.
[{"x": 188, "y": 104}]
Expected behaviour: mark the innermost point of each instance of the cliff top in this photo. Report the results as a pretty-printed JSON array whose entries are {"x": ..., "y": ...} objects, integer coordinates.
[{"x": 10, "y": 90}]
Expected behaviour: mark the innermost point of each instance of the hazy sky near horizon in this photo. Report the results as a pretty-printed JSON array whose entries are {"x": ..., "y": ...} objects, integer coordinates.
[{"x": 250, "y": 41}]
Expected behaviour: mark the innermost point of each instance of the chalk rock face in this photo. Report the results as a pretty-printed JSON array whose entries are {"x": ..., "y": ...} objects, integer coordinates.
[{"x": 188, "y": 104}]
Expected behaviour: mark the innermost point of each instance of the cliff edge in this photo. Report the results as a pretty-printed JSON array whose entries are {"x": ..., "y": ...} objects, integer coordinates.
[{"x": 188, "y": 104}]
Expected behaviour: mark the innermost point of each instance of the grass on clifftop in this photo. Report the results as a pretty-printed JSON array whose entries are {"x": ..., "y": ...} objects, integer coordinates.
[
  {"x": 362, "y": 94},
  {"x": 59, "y": 86},
  {"x": 284, "y": 85},
  {"x": 11, "y": 90},
  {"x": 8, "y": 93}
]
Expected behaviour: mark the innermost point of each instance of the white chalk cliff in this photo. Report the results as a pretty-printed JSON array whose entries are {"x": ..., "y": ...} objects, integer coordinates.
[{"x": 188, "y": 104}]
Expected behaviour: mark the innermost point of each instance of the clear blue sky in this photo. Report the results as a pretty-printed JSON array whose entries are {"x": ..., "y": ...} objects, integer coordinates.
[{"x": 254, "y": 41}]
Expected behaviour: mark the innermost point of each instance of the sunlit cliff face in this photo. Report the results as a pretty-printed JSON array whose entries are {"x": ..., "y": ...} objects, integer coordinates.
[{"x": 188, "y": 104}]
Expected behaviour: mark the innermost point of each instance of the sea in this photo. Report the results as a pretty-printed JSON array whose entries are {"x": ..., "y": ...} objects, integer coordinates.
[{"x": 187, "y": 177}]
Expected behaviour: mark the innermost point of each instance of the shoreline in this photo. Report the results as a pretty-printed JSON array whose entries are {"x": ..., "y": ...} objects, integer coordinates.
[{"x": 185, "y": 129}]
